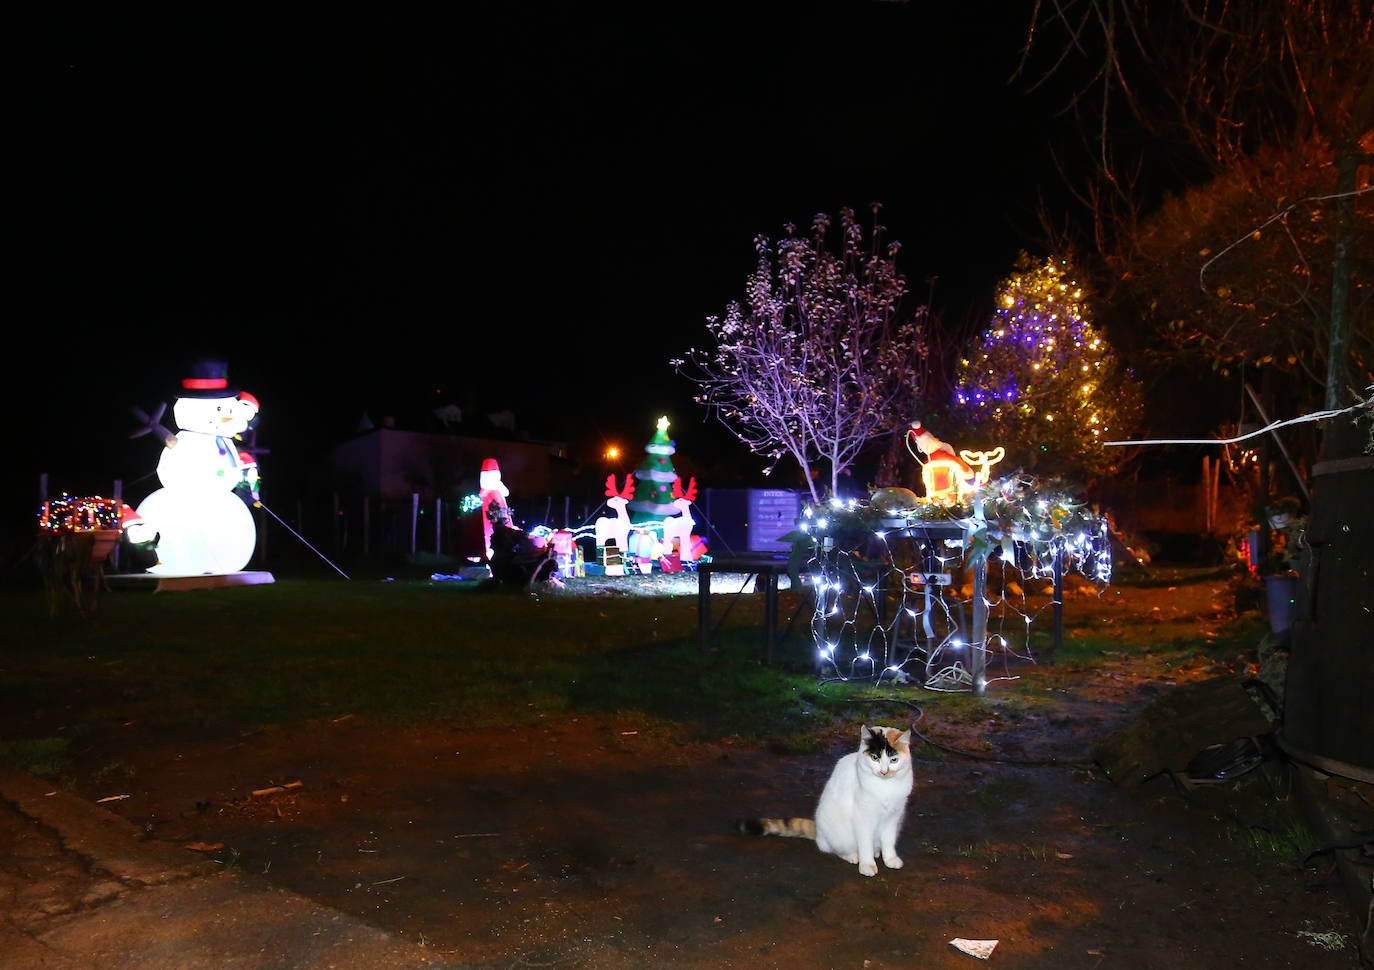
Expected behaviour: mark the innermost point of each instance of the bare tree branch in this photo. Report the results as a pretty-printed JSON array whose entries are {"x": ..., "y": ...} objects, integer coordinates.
[{"x": 819, "y": 358}]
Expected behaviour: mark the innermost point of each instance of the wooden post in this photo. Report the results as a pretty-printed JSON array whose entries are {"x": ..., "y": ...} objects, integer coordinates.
[
  {"x": 118, "y": 497},
  {"x": 1216, "y": 491},
  {"x": 414, "y": 519},
  {"x": 1058, "y": 594},
  {"x": 704, "y": 605},
  {"x": 1348, "y": 158},
  {"x": 978, "y": 643},
  {"x": 1207, "y": 494}
]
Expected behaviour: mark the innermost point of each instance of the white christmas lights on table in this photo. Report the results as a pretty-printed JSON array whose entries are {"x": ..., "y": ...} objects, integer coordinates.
[{"x": 886, "y": 604}]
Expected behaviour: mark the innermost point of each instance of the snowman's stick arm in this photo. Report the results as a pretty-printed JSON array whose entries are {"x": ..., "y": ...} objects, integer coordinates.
[{"x": 152, "y": 424}]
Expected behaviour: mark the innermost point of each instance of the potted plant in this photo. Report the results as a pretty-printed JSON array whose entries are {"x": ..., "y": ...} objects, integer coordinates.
[{"x": 1279, "y": 569}]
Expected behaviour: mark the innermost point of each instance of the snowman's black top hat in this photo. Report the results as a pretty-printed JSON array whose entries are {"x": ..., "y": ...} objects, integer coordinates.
[{"x": 207, "y": 378}]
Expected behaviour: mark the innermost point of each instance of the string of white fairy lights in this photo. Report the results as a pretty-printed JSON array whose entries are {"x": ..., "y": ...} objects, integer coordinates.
[
  {"x": 892, "y": 597},
  {"x": 1362, "y": 405},
  {"x": 888, "y": 605}
]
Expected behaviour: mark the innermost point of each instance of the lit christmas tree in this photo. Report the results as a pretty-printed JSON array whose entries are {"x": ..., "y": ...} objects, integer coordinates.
[
  {"x": 1043, "y": 381},
  {"x": 654, "y": 478}
]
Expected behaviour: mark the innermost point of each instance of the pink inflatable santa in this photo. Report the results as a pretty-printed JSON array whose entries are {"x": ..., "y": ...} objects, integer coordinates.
[{"x": 490, "y": 490}]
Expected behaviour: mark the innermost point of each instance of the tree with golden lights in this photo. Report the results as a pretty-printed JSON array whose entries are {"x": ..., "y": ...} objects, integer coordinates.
[
  {"x": 820, "y": 357},
  {"x": 1042, "y": 382}
]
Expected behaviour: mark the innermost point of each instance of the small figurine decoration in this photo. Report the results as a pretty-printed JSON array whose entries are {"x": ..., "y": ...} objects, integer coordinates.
[
  {"x": 677, "y": 529},
  {"x": 568, "y": 553},
  {"x": 615, "y": 531}
]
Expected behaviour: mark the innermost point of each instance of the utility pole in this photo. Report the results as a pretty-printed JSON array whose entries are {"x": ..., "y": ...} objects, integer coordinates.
[
  {"x": 1347, "y": 165},
  {"x": 1349, "y": 158}
]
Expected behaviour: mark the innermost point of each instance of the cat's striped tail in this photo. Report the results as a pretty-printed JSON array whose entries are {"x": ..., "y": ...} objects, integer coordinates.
[{"x": 792, "y": 828}]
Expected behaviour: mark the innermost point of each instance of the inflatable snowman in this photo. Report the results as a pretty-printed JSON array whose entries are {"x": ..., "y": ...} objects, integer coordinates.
[{"x": 201, "y": 515}]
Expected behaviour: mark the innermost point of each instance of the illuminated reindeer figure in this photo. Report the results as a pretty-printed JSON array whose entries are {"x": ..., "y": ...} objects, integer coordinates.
[
  {"x": 618, "y": 528},
  {"x": 679, "y": 527}
]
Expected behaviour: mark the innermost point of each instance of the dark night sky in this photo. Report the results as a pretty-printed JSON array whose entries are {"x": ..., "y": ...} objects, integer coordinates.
[{"x": 531, "y": 206}]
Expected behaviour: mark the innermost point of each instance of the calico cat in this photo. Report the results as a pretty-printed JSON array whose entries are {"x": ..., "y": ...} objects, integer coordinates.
[{"x": 862, "y": 807}]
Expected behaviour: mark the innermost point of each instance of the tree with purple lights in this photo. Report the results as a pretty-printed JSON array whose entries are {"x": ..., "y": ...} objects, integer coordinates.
[
  {"x": 1043, "y": 382},
  {"x": 819, "y": 359}
]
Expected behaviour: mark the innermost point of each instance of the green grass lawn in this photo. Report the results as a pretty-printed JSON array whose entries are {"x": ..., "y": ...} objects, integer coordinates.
[{"x": 209, "y": 663}]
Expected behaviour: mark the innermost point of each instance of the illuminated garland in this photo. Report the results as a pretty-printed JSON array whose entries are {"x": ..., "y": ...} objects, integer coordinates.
[
  {"x": 80, "y": 514},
  {"x": 886, "y": 601}
]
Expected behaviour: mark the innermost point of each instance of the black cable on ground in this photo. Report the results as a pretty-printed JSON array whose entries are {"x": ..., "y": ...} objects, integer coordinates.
[{"x": 990, "y": 759}]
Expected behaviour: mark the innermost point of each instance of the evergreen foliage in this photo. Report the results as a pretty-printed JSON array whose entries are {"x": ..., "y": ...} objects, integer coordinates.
[{"x": 1043, "y": 382}]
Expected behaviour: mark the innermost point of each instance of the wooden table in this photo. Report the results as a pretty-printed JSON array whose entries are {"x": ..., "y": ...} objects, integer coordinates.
[{"x": 766, "y": 567}]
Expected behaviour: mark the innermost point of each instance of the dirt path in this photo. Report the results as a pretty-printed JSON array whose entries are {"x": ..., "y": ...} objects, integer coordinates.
[
  {"x": 595, "y": 847},
  {"x": 586, "y": 843}
]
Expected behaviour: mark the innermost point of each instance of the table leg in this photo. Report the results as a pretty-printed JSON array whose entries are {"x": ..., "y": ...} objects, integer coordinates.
[
  {"x": 770, "y": 614},
  {"x": 704, "y": 604}
]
